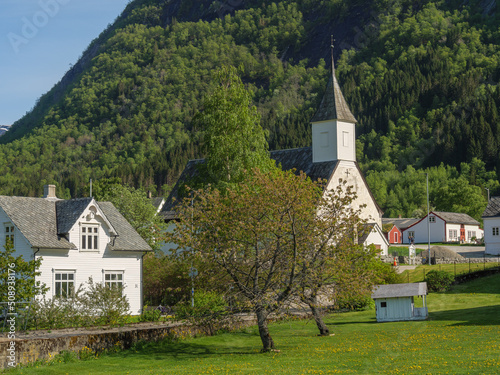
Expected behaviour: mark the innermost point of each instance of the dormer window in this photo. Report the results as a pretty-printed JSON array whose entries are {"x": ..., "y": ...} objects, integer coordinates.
[{"x": 90, "y": 237}]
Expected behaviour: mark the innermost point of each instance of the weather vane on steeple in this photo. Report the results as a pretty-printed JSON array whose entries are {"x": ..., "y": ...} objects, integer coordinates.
[{"x": 332, "y": 46}]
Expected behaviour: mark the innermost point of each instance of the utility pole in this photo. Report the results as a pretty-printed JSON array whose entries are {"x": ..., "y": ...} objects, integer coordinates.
[{"x": 428, "y": 221}]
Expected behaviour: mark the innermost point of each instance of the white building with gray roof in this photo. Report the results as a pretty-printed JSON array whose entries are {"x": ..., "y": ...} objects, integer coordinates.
[
  {"x": 76, "y": 239},
  {"x": 491, "y": 220}
]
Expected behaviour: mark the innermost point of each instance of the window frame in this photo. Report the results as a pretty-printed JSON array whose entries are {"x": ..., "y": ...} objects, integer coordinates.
[
  {"x": 67, "y": 284},
  {"x": 91, "y": 237},
  {"x": 119, "y": 281},
  {"x": 495, "y": 231},
  {"x": 432, "y": 219},
  {"x": 10, "y": 232}
]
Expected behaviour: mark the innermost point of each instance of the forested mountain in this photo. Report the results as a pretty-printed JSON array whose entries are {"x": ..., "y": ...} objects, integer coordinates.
[{"x": 421, "y": 78}]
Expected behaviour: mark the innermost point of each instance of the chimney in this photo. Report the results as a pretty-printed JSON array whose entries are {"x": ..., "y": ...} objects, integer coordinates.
[
  {"x": 49, "y": 191},
  {"x": 400, "y": 216}
]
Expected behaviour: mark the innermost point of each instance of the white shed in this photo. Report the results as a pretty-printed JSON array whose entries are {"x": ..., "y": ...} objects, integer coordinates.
[{"x": 395, "y": 302}]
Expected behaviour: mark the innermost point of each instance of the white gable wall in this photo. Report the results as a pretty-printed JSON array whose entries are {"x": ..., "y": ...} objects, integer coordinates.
[
  {"x": 349, "y": 172},
  {"x": 21, "y": 244},
  {"x": 376, "y": 237},
  {"x": 491, "y": 240},
  {"x": 437, "y": 231}
]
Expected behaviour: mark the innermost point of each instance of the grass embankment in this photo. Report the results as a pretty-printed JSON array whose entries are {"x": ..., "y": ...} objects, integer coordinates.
[
  {"x": 461, "y": 337},
  {"x": 418, "y": 274}
]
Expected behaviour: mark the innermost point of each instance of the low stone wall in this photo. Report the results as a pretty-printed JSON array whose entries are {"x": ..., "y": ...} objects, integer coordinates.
[
  {"x": 419, "y": 260},
  {"x": 32, "y": 346}
]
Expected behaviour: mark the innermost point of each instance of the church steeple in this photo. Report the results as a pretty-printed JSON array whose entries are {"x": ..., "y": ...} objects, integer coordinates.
[
  {"x": 333, "y": 125},
  {"x": 333, "y": 106}
]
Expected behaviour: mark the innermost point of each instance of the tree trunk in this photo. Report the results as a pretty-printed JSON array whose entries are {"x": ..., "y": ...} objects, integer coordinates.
[
  {"x": 323, "y": 329},
  {"x": 267, "y": 340}
]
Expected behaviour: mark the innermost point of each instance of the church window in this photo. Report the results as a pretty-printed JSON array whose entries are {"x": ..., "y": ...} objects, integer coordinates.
[
  {"x": 324, "y": 139},
  {"x": 345, "y": 139}
]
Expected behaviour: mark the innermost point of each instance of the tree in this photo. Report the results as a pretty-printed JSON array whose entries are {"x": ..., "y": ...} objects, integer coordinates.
[
  {"x": 135, "y": 206},
  {"x": 17, "y": 276},
  {"x": 336, "y": 266},
  {"x": 233, "y": 141},
  {"x": 266, "y": 236}
]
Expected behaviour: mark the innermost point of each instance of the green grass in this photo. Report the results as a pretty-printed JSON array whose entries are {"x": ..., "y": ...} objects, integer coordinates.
[{"x": 461, "y": 337}]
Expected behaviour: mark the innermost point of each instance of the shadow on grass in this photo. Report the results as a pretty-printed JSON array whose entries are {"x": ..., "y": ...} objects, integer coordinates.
[
  {"x": 478, "y": 316},
  {"x": 182, "y": 350}
]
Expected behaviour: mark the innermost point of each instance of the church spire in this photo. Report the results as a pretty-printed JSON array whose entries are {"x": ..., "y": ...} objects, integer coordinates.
[{"x": 333, "y": 106}]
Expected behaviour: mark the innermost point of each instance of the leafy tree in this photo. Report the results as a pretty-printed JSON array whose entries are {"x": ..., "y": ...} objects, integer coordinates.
[
  {"x": 265, "y": 238},
  {"x": 17, "y": 276},
  {"x": 234, "y": 141},
  {"x": 135, "y": 206}
]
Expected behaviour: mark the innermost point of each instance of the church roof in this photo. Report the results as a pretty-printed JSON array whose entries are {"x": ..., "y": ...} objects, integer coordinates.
[
  {"x": 299, "y": 159},
  {"x": 333, "y": 106}
]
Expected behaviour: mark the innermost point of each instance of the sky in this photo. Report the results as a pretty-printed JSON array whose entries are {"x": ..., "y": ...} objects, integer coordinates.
[{"x": 39, "y": 41}]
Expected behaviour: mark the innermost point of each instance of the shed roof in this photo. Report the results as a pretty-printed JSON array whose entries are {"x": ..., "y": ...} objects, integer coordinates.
[{"x": 399, "y": 290}]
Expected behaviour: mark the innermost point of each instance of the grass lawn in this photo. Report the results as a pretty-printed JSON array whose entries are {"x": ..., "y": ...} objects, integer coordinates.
[
  {"x": 418, "y": 274},
  {"x": 461, "y": 337}
]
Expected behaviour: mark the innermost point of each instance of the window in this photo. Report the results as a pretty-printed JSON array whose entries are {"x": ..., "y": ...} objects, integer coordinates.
[
  {"x": 90, "y": 237},
  {"x": 9, "y": 233},
  {"x": 453, "y": 234},
  {"x": 113, "y": 279},
  {"x": 432, "y": 219},
  {"x": 471, "y": 234},
  {"x": 396, "y": 240},
  {"x": 383, "y": 304},
  {"x": 64, "y": 284},
  {"x": 345, "y": 139},
  {"x": 495, "y": 231}
]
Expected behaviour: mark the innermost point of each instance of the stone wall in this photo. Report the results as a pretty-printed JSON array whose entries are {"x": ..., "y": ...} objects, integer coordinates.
[{"x": 32, "y": 346}]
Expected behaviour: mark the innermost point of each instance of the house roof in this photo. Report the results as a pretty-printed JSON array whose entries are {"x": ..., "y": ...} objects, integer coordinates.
[
  {"x": 36, "y": 219},
  {"x": 68, "y": 212},
  {"x": 493, "y": 208},
  {"x": 455, "y": 218},
  {"x": 127, "y": 237},
  {"x": 401, "y": 223},
  {"x": 333, "y": 105},
  {"x": 399, "y": 290},
  {"x": 44, "y": 222}
]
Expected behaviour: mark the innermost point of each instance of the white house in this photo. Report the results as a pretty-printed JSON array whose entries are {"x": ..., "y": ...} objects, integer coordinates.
[
  {"x": 76, "y": 239},
  {"x": 396, "y": 302},
  {"x": 491, "y": 220},
  {"x": 331, "y": 157},
  {"x": 444, "y": 227}
]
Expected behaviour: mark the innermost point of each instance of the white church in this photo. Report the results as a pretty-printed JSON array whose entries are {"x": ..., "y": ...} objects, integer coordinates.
[{"x": 331, "y": 157}]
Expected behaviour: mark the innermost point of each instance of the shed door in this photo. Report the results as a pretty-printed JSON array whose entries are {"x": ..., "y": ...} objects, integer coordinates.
[{"x": 383, "y": 309}]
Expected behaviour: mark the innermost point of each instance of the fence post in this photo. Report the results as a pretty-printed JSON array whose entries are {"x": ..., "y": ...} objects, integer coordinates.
[
  {"x": 469, "y": 265},
  {"x": 455, "y": 267}
]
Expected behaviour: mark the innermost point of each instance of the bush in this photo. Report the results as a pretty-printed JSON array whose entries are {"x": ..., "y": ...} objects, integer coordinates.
[
  {"x": 209, "y": 311},
  {"x": 97, "y": 304},
  {"x": 439, "y": 281}
]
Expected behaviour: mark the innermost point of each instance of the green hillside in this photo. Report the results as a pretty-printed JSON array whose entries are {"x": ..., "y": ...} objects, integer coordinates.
[{"x": 421, "y": 78}]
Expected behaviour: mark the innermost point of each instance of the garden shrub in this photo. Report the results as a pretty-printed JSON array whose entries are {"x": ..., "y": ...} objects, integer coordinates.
[{"x": 439, "y": 281}]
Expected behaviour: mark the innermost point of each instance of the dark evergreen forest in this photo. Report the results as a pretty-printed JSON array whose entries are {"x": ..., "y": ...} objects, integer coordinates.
[{"x": 421, "y": 78}]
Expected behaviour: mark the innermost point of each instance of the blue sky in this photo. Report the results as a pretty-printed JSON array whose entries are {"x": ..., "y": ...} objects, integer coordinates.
[{"x": 39, "y": 41}]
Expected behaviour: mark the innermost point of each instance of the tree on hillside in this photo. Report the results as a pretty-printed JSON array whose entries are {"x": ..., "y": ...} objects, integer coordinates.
[
  {"x": 234, "y": 141},
  {"x": 265, "y": 238}
]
